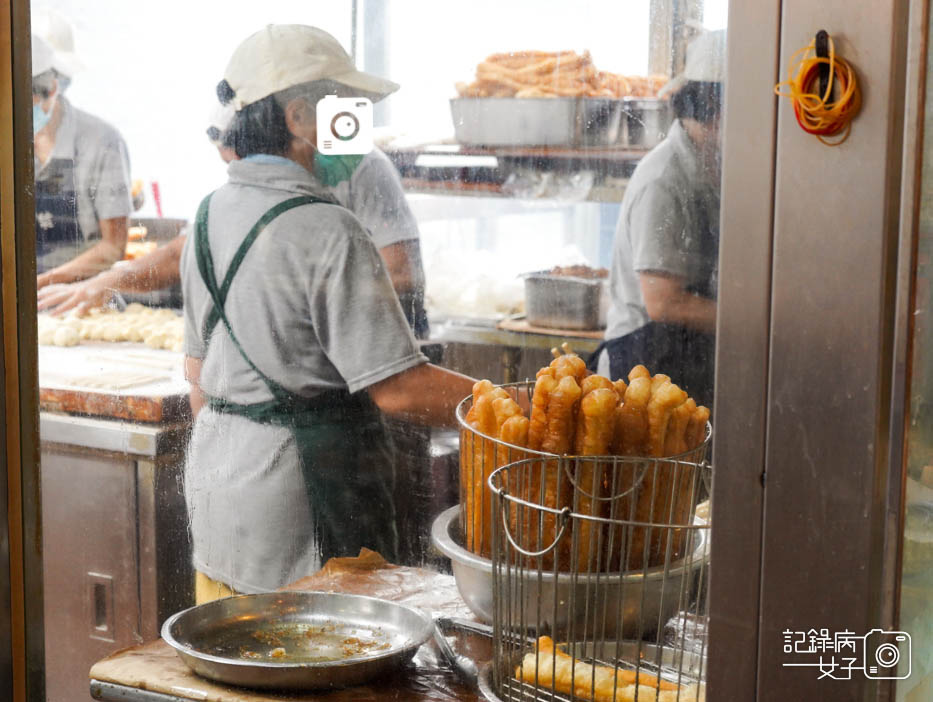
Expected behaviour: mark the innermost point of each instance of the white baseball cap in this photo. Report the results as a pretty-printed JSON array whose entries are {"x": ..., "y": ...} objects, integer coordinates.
[
  {"x": 281, "y": 56},
  {"x": 58, "y": 34},
  {"x": 706, "y": 62},
  {"x": 42, "y": 55}
]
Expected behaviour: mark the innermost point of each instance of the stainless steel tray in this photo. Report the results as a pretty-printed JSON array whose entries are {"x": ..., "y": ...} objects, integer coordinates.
[
  {"x": 296, "y": 640},
  {"x": 645, "y": 122},
  {"x": 565, "y": 302},
  {"x": 537, "y": 121},
  {"x": 592, "y": 122}
]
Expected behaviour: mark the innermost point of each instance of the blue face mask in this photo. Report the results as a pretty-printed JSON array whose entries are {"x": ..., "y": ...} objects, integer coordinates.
[
  {"x": 40, "y": 118},
  {"x": 331, "y": 170}
]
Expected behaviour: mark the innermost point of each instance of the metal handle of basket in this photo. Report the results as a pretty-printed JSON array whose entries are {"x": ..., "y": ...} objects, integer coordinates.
[
  {"x": 562, "y": 515},
  {"x": 612, "y": 498}
]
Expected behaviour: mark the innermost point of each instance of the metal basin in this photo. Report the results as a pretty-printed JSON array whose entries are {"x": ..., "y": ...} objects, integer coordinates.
[
  {"x": 296, "y": 640},
  {"x": 631, "y": 604}
]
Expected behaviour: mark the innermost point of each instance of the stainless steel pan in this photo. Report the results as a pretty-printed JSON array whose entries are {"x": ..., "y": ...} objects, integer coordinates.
[{"x": 296, "y": 640}]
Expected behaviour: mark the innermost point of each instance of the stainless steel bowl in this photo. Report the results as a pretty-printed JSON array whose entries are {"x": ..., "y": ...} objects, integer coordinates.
[
  {"x": 296, "y": 640},
  {"x": 646, "y": 600}
]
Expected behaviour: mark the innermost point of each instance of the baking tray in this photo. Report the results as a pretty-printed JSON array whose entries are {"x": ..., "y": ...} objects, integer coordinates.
[
  {"x": 537, "y": 121},
  {"x": 637, "y": 123},
  {"x": 296, "y": 640},
  {"x": 565, "y": 302},
  {"x": 645, "y": 122}
]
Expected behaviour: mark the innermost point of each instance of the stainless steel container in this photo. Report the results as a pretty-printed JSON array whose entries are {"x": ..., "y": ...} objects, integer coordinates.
[
  {"x": 296, "y": 640},
  {"x": 642, "y": 598},
  {"x": 565, "y": 302},
  {"x": 537, "y": 121},
  {"x": 645, "y": 122}
]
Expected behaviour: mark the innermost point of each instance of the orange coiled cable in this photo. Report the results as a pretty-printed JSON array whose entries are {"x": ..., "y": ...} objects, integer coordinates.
[{"x": 817, "y": 114}]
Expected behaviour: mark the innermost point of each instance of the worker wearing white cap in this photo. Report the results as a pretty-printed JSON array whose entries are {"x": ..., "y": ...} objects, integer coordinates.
[
  {"x": 369, "y": 186},
  {"x": 82, "y": 182},
  {"x": 56, "y": 31},
  {"x": 663, "y": 281},
  {"x": 294, "y": 337}
]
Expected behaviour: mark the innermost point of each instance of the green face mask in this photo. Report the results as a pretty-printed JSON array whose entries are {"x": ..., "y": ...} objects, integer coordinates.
[{"x": 331, "y": 170}]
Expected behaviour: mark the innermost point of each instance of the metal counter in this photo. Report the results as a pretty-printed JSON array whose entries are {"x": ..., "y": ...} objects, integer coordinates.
[{"x": 116, "y": 547}]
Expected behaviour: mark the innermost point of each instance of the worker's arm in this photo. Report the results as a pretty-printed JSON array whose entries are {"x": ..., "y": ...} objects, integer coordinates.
[
  {"x": 99, "y": 257},
  {"x": 426, "y": 394},
  {"x": 154, "y": 271},
  {"x": 403, "y": 264},
  {"x": 193, "y": 376},
  {"x": 668, "y": 302}
]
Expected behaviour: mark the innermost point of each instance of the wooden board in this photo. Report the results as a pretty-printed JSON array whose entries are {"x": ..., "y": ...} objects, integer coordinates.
[
  {"x": 522, "y": 325},
  {"x": 119, "y": 380}
]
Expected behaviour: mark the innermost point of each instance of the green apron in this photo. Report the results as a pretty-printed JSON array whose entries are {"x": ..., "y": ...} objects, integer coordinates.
[{"x": 345, "y": 453}]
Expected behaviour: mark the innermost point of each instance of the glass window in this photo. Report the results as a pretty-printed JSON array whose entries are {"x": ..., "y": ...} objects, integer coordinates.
[{"x": 311, "y": 274}]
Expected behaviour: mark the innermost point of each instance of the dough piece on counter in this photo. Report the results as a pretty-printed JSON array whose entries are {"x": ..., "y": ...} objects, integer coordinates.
[
  {"x": 112, "y": 332},
  {"x": 134, "y": 332},
  {"x": 66, "y": 336},
  {"x": 155, "y": 341},
  {"x": 46, "y": 335}
]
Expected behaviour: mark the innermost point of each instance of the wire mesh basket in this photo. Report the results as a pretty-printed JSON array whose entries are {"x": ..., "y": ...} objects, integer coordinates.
[{"x": 599, "y": 577}]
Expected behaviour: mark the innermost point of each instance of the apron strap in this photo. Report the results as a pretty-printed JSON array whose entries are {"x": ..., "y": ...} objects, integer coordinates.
[{"x": 218, "y": 294}]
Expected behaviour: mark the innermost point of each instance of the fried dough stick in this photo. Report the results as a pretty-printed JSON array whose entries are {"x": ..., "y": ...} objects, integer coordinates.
[
  {"x": 484, "y": 462},
  {"x": 505, "y": 409},
  {"x": 675, "y": 441},
  {"x": 658, "y": 380},
  {"x": 561, "y": 415},
  {"x": 638, "y": 371},
  {"x": 594, "y": 382},
  {"x": 631, "y": 435},
  {"x": 515, "y": 431},
  {"x": 656, "y": 481},
  {"x": 621, "y": 386},
  {"x": 558, "y": 670},
  {"x": 632, "y": 419},
  {"x": 664, "y": 398},
  {"x": 470, "y": 443},
  {"x": 537, "y": 430},
  {"x": 561, "y": 411},
  {"x": 569, "y": 364},
  {"x": 696, "y": 427},
  {"x": 595, "y": 427}
]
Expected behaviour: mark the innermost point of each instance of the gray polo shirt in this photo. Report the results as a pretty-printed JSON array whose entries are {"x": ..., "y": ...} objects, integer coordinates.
[
  {"x": 669, "y": 223},
  {"x": 313, "y": 308},
  {"x": 95, "y": 154},
  {"x": 374, "y": 194}
]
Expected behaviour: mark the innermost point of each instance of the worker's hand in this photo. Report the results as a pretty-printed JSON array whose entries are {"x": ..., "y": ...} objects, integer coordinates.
[
  {"x": 44, "y": 279},
  {"x": 81, "y": 297}
]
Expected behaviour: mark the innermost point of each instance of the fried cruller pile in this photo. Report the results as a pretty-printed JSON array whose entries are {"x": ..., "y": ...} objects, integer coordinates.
[
  {"x": 576, "y": 413},
  {"x": 535, "y": 74}
]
